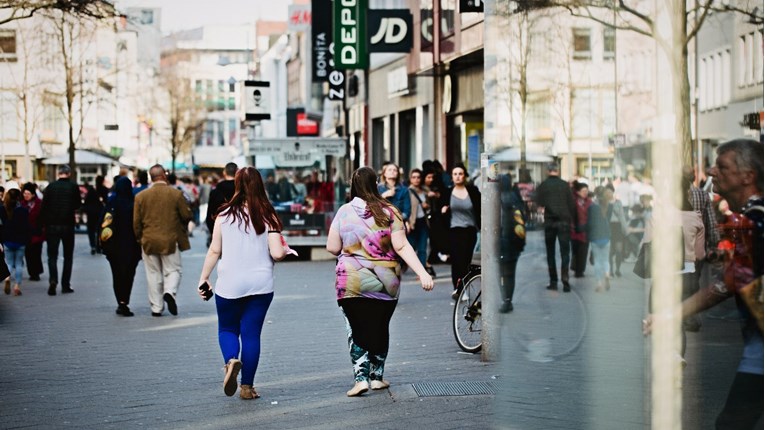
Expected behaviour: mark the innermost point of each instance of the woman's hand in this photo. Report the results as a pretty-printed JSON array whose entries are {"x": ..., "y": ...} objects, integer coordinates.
[
  {"x": 426, "y": 281},
  {"x": 444, "y": 209},
  {"x": 199, "y": 290},
  {"x": 388, "y": 194}
]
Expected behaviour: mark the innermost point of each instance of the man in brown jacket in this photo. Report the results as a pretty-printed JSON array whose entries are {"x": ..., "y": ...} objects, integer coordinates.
[{"x": 160, "y": 217}]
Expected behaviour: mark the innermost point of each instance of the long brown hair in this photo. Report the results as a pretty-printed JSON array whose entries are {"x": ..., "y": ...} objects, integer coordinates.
[
  {"x": 249, "y": 205},
  {"x": 364, "y": 186},
  {"x": 10, "y": 201}
]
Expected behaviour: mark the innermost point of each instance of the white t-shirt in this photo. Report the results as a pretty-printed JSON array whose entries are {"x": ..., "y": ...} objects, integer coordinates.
[{"x": 246, "y": 267}]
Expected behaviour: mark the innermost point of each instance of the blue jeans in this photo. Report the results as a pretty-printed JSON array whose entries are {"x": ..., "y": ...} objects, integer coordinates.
[
  {"x": 14, "y": 258},
  {"x": 418, "y": 238},
  {"x": 242, "y": 318}
]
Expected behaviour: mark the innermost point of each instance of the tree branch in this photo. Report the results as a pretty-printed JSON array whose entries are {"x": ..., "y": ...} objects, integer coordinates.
[{"x": 698, "y": 23}]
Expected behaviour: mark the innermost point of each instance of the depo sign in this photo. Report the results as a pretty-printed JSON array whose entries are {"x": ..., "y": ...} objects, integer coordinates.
[{"x": 349, "y": 22}]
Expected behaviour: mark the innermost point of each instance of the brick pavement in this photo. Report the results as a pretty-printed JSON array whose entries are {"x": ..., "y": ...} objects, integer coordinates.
[
  {"x": 569, "y": 360},
  {"x": 70, "y": 362}
]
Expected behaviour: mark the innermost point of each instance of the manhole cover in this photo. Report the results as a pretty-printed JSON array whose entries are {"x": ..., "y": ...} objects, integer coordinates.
[{"x": 453, "y": 389}]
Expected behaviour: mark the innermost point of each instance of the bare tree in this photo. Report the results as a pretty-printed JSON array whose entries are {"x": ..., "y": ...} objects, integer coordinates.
[
  {"x": 73, "y": 37},
  {"x": 28, "y": 87},
  {"x": 635, "y": 15},
  {"x": 185, "y": 113},
  {"x": 12, "y": 10}
]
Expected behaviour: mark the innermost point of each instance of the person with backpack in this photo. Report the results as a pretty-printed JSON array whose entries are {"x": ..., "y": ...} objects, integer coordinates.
[{"x": 512, "y": 239}]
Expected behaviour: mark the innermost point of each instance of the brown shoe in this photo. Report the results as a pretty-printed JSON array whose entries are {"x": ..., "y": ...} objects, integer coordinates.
[
  {"x": 17, "y": 290},
  {"x": 246, "y": 392},
  {"x": 8, "y": 286},
  {"x": 232, "y": 371}
]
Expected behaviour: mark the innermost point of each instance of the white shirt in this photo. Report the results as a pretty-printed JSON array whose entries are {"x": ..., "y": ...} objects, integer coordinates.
[{"x": 246, "y": 267}]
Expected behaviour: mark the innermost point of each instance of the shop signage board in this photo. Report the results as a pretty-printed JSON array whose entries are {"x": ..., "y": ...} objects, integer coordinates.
[
  {"x": 257, "y": 97},
  {"x": 298, "y": 152},
  {"x": 390, "y": 30},
  {"x": 298, "y": 17},
  {"x": 321, "y": 39},
  {"x": 471, "y": 6},
  {"x": 349, "y": 26}
]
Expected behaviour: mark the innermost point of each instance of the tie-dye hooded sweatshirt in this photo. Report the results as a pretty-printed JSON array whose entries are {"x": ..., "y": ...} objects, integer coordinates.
[{"x": 367, "y": 266}]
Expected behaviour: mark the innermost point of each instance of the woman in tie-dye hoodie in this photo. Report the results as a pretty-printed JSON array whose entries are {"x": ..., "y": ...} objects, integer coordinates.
[{"x": 368, "y": 236}]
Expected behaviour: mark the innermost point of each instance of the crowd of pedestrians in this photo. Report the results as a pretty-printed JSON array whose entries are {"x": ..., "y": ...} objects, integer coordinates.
[{"x": 384, "y": 226}]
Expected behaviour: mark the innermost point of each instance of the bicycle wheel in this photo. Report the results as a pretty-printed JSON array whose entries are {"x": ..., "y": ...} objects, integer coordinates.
[{"x": 467, "y": 315}]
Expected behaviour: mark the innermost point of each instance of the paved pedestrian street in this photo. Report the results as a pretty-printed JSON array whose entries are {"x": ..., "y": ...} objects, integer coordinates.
[{"x": 573, "y": 361}]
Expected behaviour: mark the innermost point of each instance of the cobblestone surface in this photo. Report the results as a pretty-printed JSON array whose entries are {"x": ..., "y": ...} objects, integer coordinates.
[{"x": 569, "y": 360}]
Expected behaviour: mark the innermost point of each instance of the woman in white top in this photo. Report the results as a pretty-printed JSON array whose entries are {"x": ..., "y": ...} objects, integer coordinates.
[{"x": 247, "y": 239}]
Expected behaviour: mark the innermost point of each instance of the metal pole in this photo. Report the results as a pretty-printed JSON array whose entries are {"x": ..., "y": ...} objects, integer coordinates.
[
  {"x": 490, "y": 194},
  {"x": 699, "y": 149}
]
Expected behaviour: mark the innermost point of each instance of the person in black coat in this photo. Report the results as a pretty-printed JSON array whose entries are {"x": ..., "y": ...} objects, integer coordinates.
[
  {"x": 94, "y": 206},
  {"x": 219, "y": 195},
  {"x": 461, "y": 207},
  {"x": 123, "y": 252},
  {"x": 513, "y": 237},
  {"x": 61, "y": 199}
]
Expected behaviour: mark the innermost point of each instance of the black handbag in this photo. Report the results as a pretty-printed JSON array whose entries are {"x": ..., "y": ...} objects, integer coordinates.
[
  {"x": 643, "y": 264},
  {"x": 4, "y": 271}
]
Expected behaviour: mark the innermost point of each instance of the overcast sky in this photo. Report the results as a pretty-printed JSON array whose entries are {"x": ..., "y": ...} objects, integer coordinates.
[{"x": 186, "y": 14}]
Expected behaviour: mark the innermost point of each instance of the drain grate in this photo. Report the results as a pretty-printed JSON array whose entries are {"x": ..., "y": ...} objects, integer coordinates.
[{"x": 453, "y": 389}]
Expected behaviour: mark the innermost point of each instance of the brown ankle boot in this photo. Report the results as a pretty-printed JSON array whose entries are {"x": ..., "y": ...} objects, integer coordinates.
[{"x": 246, "y": 392}]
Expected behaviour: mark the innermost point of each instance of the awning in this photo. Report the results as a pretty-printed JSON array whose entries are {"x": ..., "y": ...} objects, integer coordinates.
[
  {"x": 514, "y": 154},
  {"x": 81, "y": 156}
]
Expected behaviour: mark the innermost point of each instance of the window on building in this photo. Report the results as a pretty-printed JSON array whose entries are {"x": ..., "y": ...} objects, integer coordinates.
[
  {"x": 717, "y": 61},
  {"x": 702, "y": 84},
  {"x": 231, "y": 103},
  {"x": 715, "y": 79},
  {"x": 608, "y": 126},
  {"x": 221, "y": 86},
  {"x": 758, "y": 71},
  {"x": 540, "y": 48},
  {"x": 585, "y": 115},
  {"x": 609, "y": 43},
  {"x": 742, "y": 61},
  {"x": 725, "y": 81},
  {"x": 8, "y": 45},
  {"x": 8, "y": 116},
  {"x": 750, "y": 55},
  {"x": 198, "y": 86},
  {"x": 538, "y": 119},
  {"x": 232, "y": 132},
  {"x": 582, "y": 45}
]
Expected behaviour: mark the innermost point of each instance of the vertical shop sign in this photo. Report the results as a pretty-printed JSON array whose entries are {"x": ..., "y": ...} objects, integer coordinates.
[
  {"x": 321, "y": 39},
  {"x": 349, "y": 28}
]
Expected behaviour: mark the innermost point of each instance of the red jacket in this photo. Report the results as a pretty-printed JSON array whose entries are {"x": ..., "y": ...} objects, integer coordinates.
[{"x": 580, "y": 233}]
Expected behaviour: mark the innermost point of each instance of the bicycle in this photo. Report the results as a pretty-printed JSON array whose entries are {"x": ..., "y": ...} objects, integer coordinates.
[{"x": 467, "y": 311}]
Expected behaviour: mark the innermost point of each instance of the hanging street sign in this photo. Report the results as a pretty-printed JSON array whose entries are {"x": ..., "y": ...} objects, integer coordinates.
[{"x": 257, "y": 96}]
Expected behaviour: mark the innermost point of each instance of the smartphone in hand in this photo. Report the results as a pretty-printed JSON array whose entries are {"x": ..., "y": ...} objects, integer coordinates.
[{"x": 206, "y": 290}]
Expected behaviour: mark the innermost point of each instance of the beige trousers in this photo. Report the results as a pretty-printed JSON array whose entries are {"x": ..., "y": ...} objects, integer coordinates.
[{"x": 163, "y": 275}]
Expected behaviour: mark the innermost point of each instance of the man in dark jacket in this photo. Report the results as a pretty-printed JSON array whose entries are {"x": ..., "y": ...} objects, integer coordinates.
[
  {"x": 60, "y": 201},
  {"x": 220, "y": 195},
  {"x": 554, "y": 194}
]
